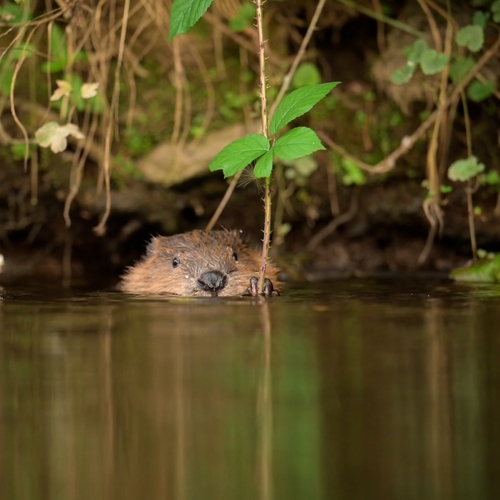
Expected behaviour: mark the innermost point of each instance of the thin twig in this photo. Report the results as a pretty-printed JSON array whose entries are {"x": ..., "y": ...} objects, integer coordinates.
[
  {"x": 300, "y": 54},
  {"x": 100, "y": 228}
]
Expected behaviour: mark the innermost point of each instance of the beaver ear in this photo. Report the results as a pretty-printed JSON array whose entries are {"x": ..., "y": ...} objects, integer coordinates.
[{"x": 152, "y": 247}]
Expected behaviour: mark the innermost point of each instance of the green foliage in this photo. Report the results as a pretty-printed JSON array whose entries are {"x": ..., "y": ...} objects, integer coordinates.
[
  {"x": 479, "y": 91},
  {"x": 433, "y": 62},
  {"x": 59, "y": 52},
  {"x": 492, "y": 179},
  {"x": 404, "y": 74},
  {"x": 11, "y": 14},
  {"x": 495, "y": 10},
  {"x": 184, "y": 15},
  {"x": 460, "y": 68},
  {"x": 7, "y": 64},
  {"x": 306, "y": 74},
  {"x": 19, "y": 151},
  {"x": 349, "y": 171},
  {"x": 244, "y": 18},
  {"x": 239, "y": 154},
  {"x": 295, "y": 143},
  {"x": 480, "y": 18},
  {"x": 486, "y": 270},
  {"x": 471, "y": 37},
  {"x": 414, "y": 54},
  {"x": 297, "y": 103},
  {"x": 464, "y": 170},
  {"x": 136, "y": 142},
  {"x": 264, "y": 165},
  {"x": 298, "y": 142}
]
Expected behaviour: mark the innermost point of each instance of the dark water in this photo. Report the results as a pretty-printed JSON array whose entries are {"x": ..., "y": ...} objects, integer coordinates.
[{"x": 349, "y": 390}]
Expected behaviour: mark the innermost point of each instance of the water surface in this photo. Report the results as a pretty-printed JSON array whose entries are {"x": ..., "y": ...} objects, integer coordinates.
[{"x": 362, "y": 389}]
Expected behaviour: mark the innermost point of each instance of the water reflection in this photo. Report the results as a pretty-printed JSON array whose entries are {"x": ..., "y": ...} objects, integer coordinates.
[{"x": 355, "y": 390}]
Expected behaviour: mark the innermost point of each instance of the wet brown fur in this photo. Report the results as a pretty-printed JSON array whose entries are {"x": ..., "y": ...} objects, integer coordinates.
[{"x": 196, "y": 252}]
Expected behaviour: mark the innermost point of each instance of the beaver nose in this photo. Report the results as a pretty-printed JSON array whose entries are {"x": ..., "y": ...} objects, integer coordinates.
[{"x": 212, "y": 281}]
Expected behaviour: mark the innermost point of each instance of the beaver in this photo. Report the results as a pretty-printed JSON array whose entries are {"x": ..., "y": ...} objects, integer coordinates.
[{"x": 201, "y": 264}]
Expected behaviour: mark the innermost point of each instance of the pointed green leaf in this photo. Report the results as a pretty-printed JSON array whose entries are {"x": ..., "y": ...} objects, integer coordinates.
[
  {"x": 471, "y": 37},
  {"x": 240, "y": 153},
  {"x": 297, "y": 103},
  {"x": 463, "y": 170},
  {"x": 300, "y": 141},
  {"x": 184, "y": 15},
  {"x": 432, "y": 62},
  {"x": 264, "y": 165}
]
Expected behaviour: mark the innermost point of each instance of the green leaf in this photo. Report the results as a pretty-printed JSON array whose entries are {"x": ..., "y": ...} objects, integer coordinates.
[
  {"x": 240, "y": 153},
  {"x": 11, "y": 13},
  {"x": 495, "y": 10},
  {"x": 463, "y": 170},
  {"x": 460, "y": 68},
  {"x": 59, "y": 52},
  {"x": 478, "y": 91},
  {"x": 184, "y": 15},
  {"x": 244, "y": 18},
  {"x": 414, "y": 52},
  {"x": 403, "y": 75},
  {"x": 492, "y": 178},
  {"x": 471, "y": 37},
  {"x": 480, "y": 18},
  {"x": 306, "y": 74},
  {"x": 297, "y": 103},
  {"x": 299, "y": 141},
  {"x": 432, "y": 62},
  {"x": 264, "y": 165},
  {"x": 351, "y": 173},
  {"x": 486, "y": 271},
  {"x": 19, "y": 151}
]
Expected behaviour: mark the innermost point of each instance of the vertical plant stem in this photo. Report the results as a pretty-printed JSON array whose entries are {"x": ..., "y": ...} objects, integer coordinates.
[{"x": 267, "y": 187}]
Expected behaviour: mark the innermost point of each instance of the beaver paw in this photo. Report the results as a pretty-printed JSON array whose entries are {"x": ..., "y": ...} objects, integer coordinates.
[{"x": 269, "y": 290}]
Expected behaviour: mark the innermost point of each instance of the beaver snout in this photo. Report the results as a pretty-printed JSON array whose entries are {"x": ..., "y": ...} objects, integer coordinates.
[{"x": 212, "y": 281}]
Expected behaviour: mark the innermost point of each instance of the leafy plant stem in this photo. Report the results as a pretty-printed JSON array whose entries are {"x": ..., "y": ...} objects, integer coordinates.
[
  {"x": 267, "y": 186},
  {"x": 286, "y": 84}
]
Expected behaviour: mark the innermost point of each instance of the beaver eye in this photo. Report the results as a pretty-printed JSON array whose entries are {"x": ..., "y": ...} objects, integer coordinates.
[
  {"x": 235, "y": 256},
  {"x": 176, "y": 262}
]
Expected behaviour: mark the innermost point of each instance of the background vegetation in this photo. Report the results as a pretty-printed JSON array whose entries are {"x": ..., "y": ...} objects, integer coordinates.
[{"x": 108, "y": 128}]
